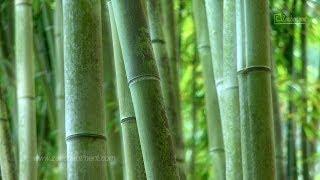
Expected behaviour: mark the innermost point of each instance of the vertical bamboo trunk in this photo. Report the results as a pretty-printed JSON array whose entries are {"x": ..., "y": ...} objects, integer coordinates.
[
  {"x": 304, "y": 140},
  {"x": 280, "y": 170},
  {"x": 144, "y": 84},
  {"x": 291, "y": 125},
  {"x": 46, "y": 17},
  {"x": 134, "y": 165},
  {"x": 166, "y": 80},
  {"x": 230, "y": 94},
  {"x": 171, "y": 43},
  {"x": 25, "y": 89},
  {"x": 8, "y": 168},
  {"x": 216, "y": 146},
  {"x": 114, "y": 143},
  {"x": 84, "y": 102},
  {"x": 255, "y": 92},
  {"x": 59, "y": 89}
]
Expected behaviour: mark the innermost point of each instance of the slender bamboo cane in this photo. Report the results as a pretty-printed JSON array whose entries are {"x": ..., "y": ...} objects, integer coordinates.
[
  {"x": 216, "y": 146},
  {"x": 304, "y": 140},
  {"x": 84, "y": 102},
  {"x": 171, "y": 44},
  {"x": 59, "y": 88},
  {"x": 255, "y": 92},
  {"x": 214, "y": 11},
  {"x": 114, "y": 143},
  {"x": 277, "y": 128},
  {"x": 25, "y": 89},
  {"x": 230, "y": 94},
  {"x": 46, "y": 16},
  {"x": 167, "y": 84},
  {"x": 291, "y": 125},
  {"x": 144, "y": 83},
  {"x": 134, "y": 165},
  {"x": 8, "y": 168}
]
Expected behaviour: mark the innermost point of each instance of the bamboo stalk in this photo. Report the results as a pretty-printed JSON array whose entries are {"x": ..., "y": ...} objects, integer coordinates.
[
  {"x": 255, "y": 94},
  {"x": 59, "y": 89},
  {"x": 166, "y": 81},
  {"x": 216, "y": 145},
  {"x": 134, "y": 165},
  {"x": 84, "y": 102},
  {"x": 144, "y": 83},
  {"x": 230, "y": 94},
  {"x": 25, "y": 89},
  {"x": 114, "y": 143}
]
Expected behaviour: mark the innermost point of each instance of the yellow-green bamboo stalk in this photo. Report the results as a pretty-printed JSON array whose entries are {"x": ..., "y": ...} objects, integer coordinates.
[
  {"x": 25, "y": 89},
  {"x": 216, "y": 146},
  {"x": 59, "y": 89}
]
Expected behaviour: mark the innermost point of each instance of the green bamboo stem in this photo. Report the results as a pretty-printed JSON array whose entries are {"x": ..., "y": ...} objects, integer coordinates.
[
  {"x": 41, "y": 58},
  {"x": 277, "y": 128},
  {"x": 230, "y": 94},
  {"x": 304, "y": 140},
  {"x": 171, "y": 44},
  {"x": 214, "y": 11},
  {"x": 59, "y": 89},
  {"x": 144, "y": 84},
  {"x": 46, "y": 18},
  {"x": 292, "y": 173},
  {"x": 7, "y": 160},
  {"x": 255, "y": 92},
  {"x": 166, "y": 81},
  {"x": 25, "y": 89},
  {"x": 134, "y": 165},
  {"x": 114, "y": 143},
  {"x": 216, "y": 146},
  {"x": 84, "y": 100}
]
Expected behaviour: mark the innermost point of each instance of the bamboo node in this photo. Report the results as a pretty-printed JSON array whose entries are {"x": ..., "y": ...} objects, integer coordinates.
[
  {"x": 143, "y": 78},
  {"x": 161, "y": 41},
  {"x": 128, "y": 119},
  {"x": 249, "y": 69},
  {"x": 216, "y": 150},
  {"x": 230, "y": 87},
  {"x": 204, "y": 46},
  {"x": 85, "y": 135}
]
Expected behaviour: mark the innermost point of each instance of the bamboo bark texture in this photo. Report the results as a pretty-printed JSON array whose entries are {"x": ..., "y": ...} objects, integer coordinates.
[
  {"x": 134, "y": 165},
  {"x": 230, "y": 94},
  {"x": 216, "y": 146},
  {"x": 254, "y": 70},
  {"x": 144, "y": 83},
  {"x": 25, "y": 89},
  {"x": 59, "y": 88},
  {"x": 166, "y": 80},
  {"x": 84, "y": 102},
  {"x": 171, "y": 43}
]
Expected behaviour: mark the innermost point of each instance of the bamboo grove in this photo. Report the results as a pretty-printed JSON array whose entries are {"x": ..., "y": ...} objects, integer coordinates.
[{"x": 159, "y": 89}]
